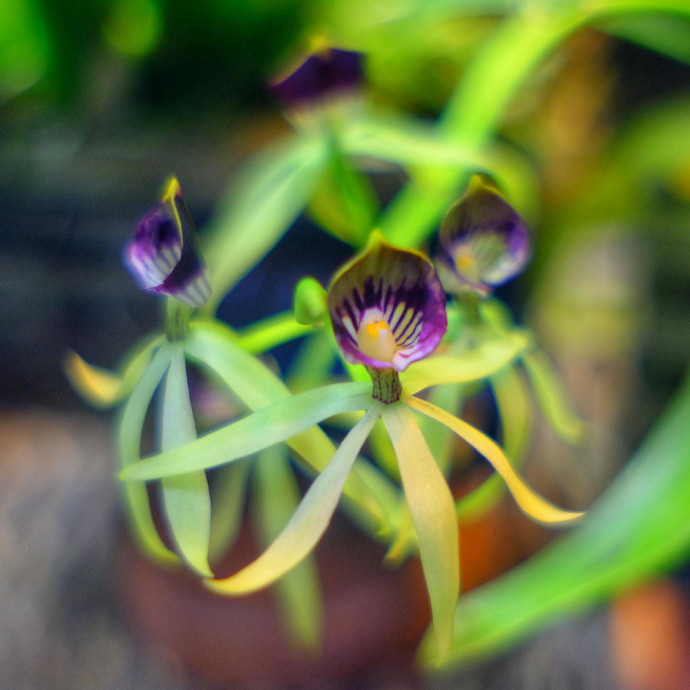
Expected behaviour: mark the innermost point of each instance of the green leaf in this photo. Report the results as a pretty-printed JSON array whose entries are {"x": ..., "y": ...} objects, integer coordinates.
[
  {"x": 129, "y": 430},
  {"x": 186, "y": 499},
  {"x": 276, "y": 498},
  {"x": 637, "y": 529},
  {"x": 433, "y": 515},
  {"x": 267, "y": 426},
  {"x": 472, "y": 365},
  {"x": 262, "y": 204},
  {"x": 527, "y": 499},
  {"x": 309, "y": 522}
]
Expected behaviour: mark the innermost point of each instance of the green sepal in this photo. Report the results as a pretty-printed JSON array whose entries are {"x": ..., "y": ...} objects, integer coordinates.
[
  {"x": 552, "y": 398},
  {"x": 433, "y": 515},
  {"x": 103, "y": 388},
  {"x": 129, "y": 430},
  {"x": 185, "y": 497},
  {"x": 371, "y": 497},
  {"x": 276, "y": 497}
]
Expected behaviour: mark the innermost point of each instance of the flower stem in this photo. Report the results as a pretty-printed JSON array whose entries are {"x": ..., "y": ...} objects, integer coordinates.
[
  {"x": 176, "y": 320},
  {"x": 387, "y": 386}
]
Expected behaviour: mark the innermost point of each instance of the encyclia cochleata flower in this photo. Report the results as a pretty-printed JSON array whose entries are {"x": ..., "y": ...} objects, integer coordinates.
[
  {"x": 164, "y": 255},
  {"x": 324, "y": 73},
  {"x": 483, "y": 241},
  {"x": 376, "y": 296},
  {"x": 388, "y": 309}
]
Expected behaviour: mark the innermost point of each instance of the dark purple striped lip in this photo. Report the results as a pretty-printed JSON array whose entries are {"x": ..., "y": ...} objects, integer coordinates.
[{"x": 164, "y": 256}]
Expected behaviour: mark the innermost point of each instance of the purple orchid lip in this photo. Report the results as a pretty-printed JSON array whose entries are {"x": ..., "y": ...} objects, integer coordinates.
[
  {"x": 387, "y": 307},
  {"x": 483, "y": 241},
  {"x": 321, "y": 74},
  {"x": 164, "y": 256}
]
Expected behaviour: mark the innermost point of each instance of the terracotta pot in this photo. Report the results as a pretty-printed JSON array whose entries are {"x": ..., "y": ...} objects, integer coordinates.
[{"x": 374, "y": 618}]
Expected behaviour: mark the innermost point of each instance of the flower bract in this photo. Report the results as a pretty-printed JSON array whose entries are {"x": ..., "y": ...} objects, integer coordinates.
[
  {"x": 483, "y": 241},
  {"x": 387, "y": 307},
  {"x": 164, "y": 256}
]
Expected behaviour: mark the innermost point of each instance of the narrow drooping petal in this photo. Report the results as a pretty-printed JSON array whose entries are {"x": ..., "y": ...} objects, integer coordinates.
[
  {"x": 530, "y": 502},
  {"x": 484, "y": 242},
  {"x": 433, "y": 515},
  {"x": 319, "y": 75},
  {"x": 164, "y": 256},
  {"x": 309, "y": 521},
  {"x": 387, "y": 307}
]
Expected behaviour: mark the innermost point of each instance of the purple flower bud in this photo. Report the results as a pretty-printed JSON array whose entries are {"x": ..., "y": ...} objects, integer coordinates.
[
  {"x": 387, "y": 307},
  {"x": 318, "y": 76},
  {"x": 484, "y": 242},
  {"x": 164, "y": 256}
]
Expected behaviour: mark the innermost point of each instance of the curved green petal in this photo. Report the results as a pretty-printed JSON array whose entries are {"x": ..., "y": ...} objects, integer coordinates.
[
  {"x": 309, "y": 521},
  {"x": 265, "y": 427},
  {"x": 433, "y": 515},
  {"x": 276, "y": 497},
  {"x": 186, "y": 499},
  {"x": 129, "y": 430},
  {"x": 103, "y": 388},
  {"x": 527, "y": 499},
  {"x": 214, "y": 347},
  {"x": 552, "y": 398},
  {"x": 473, "y": 365}
]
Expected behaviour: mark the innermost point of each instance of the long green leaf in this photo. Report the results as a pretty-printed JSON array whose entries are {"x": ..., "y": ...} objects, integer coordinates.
[
  {"x": 433, "y": 515},
  {"x": 129, "y": 430},
  {"x": 310, "y": 520},
  {"x": 639, "y": 528},
  {"x": 186, "y": 499},
  {"x": 273, "y": 190}
]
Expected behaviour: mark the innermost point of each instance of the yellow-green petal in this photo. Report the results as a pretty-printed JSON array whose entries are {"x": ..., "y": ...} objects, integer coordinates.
[
  {"x": 309, "y": 521},
  {"x": 433, "y": 515},
  {"x": 527, "y": 499}
]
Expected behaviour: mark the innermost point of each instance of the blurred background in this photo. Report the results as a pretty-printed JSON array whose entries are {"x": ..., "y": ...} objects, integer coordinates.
[{"x": 100, "y": 101}]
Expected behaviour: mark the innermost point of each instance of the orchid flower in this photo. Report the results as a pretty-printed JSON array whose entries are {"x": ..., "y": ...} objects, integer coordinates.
[
  {"x": 387, "y": 309},
  {"x": 483, "y": 241},
  {"x": 164, "y": 256}
]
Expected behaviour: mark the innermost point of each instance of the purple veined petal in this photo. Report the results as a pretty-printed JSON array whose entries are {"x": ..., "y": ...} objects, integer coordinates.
[
  {"x": 320, "y": 74},
  {"x": 164, "y": 256},
  {"x": 387, "y": 307},
  {"x": 483, "y": 241}
]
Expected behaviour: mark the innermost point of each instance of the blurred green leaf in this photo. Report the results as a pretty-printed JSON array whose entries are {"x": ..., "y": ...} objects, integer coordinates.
[
  {"x": 186, "y": 499},
  {"x": 639, "y": 528},
  {"x": 261, "y": 205},
  {"x": 344, "y": 202}
]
